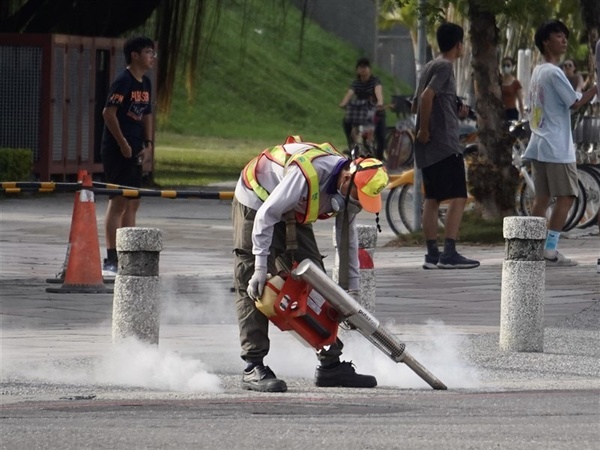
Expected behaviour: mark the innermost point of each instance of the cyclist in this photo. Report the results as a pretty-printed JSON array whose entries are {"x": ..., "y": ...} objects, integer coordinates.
[{"x": 364, "y": 105}]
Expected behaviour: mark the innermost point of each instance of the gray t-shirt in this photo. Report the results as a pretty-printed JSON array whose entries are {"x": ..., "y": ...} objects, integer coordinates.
[{"x": 438, "y": 75}]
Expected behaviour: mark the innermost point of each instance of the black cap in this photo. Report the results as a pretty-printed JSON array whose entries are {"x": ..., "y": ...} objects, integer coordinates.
[{"x": 363, "y": 62}]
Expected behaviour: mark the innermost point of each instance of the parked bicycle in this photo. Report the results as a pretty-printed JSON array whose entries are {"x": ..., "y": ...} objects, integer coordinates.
[
  {"x": 399, "y": 204},
  {"x": 579, "y": 212},
  {"x": 400, "y": 138}
]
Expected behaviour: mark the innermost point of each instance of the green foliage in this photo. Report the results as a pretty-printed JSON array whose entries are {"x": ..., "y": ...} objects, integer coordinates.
[
  {"x": 15, "y": 164},
  {"x": 257, "y": 84},
  {"x": 522, "y": 17}
]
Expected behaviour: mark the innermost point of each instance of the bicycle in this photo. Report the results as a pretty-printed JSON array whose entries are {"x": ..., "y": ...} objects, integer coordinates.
[
  {"x": 399, "y": 141},
  {"x": 586, "y": 132},
  {"x": 399, "y": 204},
  {"x": 362, "y": 133},
  {"x": 589, "y": 176}
]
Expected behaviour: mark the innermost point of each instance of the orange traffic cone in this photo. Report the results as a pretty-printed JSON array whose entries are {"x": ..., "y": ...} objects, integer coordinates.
[
  {"x": 60, "y": 276},
  {"x": 84, "y": 271}
]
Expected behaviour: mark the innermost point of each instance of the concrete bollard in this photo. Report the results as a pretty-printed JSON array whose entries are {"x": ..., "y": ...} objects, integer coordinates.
[
  {"x": 136, "y": 291},
  {"x": 367, "y": 241},
  {"x": 523, "y": 285}
]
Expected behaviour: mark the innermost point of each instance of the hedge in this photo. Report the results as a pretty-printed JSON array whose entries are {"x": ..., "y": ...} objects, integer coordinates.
[{"x": 15, "y": 164}]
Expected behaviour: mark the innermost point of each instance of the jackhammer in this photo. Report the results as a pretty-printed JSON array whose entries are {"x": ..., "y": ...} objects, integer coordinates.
[{"x": 311, "y": 305}]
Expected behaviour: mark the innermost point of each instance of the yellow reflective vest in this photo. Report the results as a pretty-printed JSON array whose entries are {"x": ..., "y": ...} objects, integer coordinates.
[{"x": 303, "y": 158}]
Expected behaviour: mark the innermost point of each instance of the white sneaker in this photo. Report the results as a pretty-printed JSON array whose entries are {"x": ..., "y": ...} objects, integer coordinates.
[
  {"x": 559, "y": 260},
  {"x": 109, "y": 269}
]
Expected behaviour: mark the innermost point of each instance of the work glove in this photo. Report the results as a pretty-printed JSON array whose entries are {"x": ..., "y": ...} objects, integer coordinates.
[{"x": 257, "y": 283}]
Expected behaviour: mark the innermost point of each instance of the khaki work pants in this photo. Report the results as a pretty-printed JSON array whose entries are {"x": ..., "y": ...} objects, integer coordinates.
[{"x": 253, "y": 325}]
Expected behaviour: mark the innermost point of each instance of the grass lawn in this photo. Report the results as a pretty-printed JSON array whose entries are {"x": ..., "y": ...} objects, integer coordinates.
[{"x": 192, "y": 161}]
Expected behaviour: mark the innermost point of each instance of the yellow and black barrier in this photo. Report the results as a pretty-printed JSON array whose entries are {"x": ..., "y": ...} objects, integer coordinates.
[
  {"x": 16, "y": 187},
  {"x": 136, "y": 193}
]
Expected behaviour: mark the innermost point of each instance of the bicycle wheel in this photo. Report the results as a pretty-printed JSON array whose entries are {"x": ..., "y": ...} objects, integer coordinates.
[
  {"x": 590, "y": 178},
  {"x": 577, "y": 210},
  {"x": 525, "y": 198},
  {"x": 405, "y": 206},
  {"x": 392, "y": 211},
  {"x": 399, "y": 149}
]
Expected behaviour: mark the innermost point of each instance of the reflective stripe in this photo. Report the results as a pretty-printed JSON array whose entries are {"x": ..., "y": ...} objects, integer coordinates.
[
  {"x": 249, "y": 177},
  {"x": 304, "y": 162},
  {"x": 276, "y": 154}
]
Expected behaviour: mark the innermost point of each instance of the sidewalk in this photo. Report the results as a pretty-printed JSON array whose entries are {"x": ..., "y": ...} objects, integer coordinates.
[{"x": 449, "y": 319}]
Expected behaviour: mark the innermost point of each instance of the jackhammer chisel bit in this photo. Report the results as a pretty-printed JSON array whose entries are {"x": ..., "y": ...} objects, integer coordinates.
[{"x": 358, "y": 317}]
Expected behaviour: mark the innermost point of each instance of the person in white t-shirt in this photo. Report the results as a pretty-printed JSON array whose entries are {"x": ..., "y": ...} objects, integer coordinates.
[{"x": 551, "y": 148}]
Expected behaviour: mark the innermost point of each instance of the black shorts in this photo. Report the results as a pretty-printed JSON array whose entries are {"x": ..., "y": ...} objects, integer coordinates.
[
  {"x": 445, "y": 179},
  {"x": 512, "y": 114},
  {"x": 120, "y": 170}
]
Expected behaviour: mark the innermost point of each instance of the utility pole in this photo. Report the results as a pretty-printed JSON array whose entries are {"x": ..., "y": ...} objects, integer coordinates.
[
  {"x": 420, "y": 62},
  {"x": 376, "y": 41}
]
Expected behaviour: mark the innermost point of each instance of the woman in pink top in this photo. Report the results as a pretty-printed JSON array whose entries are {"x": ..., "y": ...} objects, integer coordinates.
[{"x": 512, "y": 91}]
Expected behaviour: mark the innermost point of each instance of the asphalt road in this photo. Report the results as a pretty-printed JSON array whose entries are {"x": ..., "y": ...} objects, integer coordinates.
[{"x": 65, "y": 386}]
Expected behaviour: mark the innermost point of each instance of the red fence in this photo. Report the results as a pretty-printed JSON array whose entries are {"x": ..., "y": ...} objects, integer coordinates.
[{"x": 53, "y": 89}]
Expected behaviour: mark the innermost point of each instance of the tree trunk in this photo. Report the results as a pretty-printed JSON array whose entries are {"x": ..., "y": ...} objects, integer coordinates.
[
  {"x": 492, "y": 178},
  {"x": 590, "y": 13}
]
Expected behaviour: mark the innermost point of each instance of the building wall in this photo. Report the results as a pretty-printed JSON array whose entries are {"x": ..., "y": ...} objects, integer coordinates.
[
  {"x": 355, "y": 21},
  {"x": 352, "y": 20}
]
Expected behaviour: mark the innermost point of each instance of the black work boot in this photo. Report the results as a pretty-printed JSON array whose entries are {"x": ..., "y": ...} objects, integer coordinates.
[
  {"x": 262, "y": 379},
  {"x": 343, "y": 375}
]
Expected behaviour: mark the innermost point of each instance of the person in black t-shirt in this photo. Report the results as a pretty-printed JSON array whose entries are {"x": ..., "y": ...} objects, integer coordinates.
[
  {"x": 127, "y": 139},
  {"x": 368, "y": 90}
]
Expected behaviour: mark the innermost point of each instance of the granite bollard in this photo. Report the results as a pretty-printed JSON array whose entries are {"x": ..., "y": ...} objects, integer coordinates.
[
  {"x": 367, "y": 241},
  {"x": 523, "y": 285},
  {"x": 136, "y": 292}
]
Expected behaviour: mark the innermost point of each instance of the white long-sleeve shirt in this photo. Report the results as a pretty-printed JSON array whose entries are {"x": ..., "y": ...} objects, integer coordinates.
[{"x": 288, "y": 192}]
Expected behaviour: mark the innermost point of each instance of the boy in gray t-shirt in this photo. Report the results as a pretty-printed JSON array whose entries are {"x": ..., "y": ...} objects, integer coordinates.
[
  {"x": 438, "y": 76},
  {"x": 438, "y": 152}
]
